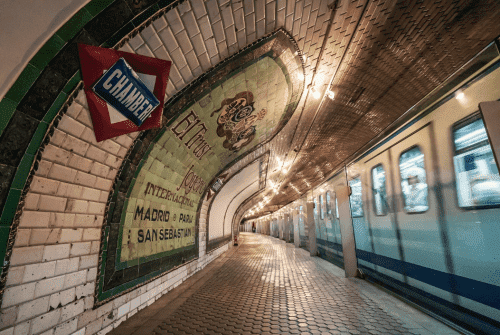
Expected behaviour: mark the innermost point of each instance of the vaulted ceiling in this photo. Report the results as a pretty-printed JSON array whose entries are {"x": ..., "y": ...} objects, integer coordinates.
[{"x": 379, "y": 58}]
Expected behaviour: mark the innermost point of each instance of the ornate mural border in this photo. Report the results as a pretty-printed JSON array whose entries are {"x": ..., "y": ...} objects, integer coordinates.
[{"x": 271, "y": 45}]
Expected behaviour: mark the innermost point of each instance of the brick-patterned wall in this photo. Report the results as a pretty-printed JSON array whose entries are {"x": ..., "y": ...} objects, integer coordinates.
[
  {"x": 53, "y": 267},
  {"x": 54, "y": 261},
  {"x": 52, "y": 277}
]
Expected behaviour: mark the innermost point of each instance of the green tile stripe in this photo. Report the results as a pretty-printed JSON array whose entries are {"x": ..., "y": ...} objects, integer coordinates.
[
  {"x": 24, "y": 167},
  {"x": 56, "y": 106},
  {"x": 74, "y": 25},
  {"x": 50, "y": 49},
  {"x": 10, "y": 209},
  {"x": 23, "y": 83},
  {"x": 47, "y": 52},
  {"x": 30, "y": 74},
  {"x": 42, "y": 58},
  {"x": 4, "y": 239},
  {"x": 7, "y": 108}
]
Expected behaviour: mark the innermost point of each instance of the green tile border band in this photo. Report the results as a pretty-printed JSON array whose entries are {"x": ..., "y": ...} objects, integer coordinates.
[
  {"x": 111, "y": 269},
  {"x": 21, "y": 87},
  {"x": 42, "y": 58},
  {"x": 55, "y": 44}
]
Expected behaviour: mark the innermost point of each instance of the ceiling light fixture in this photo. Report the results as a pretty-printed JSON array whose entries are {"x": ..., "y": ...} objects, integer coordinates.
[
  {"x": 315, "y": 93},
  {"x": 330, "y": 94}
]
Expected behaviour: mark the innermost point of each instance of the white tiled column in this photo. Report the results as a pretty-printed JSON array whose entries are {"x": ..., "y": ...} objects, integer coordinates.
[
  {"x": 311, "y": 227},
  {"x": 346, "y": 229}
]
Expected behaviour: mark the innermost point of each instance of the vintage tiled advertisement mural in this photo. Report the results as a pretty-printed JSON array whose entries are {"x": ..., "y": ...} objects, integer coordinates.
[{"x": 152, "y": 225}]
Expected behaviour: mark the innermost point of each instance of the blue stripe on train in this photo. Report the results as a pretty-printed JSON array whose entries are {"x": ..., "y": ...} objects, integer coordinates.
[
  {"x": 484, "y": 293},
  {"x": 463, "y": 286},
  {"x": 328, "y": 255},
  {"x": 470, "y": 320},
  {"x": 329, "y": 244}
]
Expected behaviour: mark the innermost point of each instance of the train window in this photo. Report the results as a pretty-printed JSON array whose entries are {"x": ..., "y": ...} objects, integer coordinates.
[
  {"x": 315, "y": 207},
  {"x": 379, "y": 190},
  {"x": 413, "y": 181},
  {"x": 356, "y": 199},
  {"x": 336, "y": 207},
  {"x": 328, "y": 204},
  {"x": 478, "y": 181},
  {"x": 321, "y": 207}
]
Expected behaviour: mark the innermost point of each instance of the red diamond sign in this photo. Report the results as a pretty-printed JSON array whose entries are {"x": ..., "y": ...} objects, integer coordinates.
[{"x": 107, "y": 121}]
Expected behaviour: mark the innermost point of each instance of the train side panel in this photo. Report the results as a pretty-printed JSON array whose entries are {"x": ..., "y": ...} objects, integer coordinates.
[{"x": 434, "y": 225}]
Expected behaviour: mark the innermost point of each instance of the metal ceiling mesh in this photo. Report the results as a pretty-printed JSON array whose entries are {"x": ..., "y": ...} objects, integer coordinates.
[{"x": 380, "y": 58}]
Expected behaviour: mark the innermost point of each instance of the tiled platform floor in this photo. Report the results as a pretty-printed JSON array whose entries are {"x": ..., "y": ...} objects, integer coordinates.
[{"x": 265, "y": 286}]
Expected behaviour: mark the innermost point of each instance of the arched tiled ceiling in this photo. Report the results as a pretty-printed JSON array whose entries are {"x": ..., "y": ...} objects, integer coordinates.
[
  {"x": 381, "y": 59},
  {"x": 378, "y": 57}
]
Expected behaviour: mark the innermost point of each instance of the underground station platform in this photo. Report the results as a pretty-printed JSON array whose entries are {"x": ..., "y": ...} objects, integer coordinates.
[
  {"x": 249, "y": 167},
  {"x": 267, "y": 286}
]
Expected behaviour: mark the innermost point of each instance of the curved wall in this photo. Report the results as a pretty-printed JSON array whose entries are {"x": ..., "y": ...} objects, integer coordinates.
[
  {"x": 65, "y": 186},
  {"x": 27, "y": 26},
  {"x": 222, "y": 209}
]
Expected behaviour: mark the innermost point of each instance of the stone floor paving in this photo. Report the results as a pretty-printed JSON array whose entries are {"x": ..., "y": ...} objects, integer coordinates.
[{"x": 265, "y": 286}]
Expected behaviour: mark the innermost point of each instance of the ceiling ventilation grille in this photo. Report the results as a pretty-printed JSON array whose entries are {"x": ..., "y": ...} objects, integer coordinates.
[{"x": 357, "y": 94}]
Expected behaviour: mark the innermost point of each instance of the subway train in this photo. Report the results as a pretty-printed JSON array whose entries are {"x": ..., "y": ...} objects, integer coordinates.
[{"x": 425, "y": 204}]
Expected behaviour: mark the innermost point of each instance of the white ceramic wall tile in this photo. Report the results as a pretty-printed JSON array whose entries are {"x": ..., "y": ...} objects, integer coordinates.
[{"x": 76, "y": 173}]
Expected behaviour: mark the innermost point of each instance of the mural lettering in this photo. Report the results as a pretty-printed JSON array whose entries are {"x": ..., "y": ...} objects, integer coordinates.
[
  {"x": 152, "y": 215},
  {"x": 216, "y": 127},
  {"x": 196, "y": 140},
  {"x": 192, "y": 182},
  {"x": 162, "y": 234},
  {"x": 163, "y": 193}
]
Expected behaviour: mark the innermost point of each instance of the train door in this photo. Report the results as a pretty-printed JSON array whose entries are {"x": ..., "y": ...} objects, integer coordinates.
[
  {"x": 281, "y": 224},
  {"x": 359, "y": 208},
  {"x": 336, "y": 239},
  {"x": 315, "y": 213},
  {"x": 302, "y": 227},
  {"x": 418, "y": 209},
  {"x": 321, "y": 217},
  {"x": 295, "y": 218},
  {"x": 330, "y": 216},
  {"x": 382, "y": 214},
  {"x": 335, "y": 236}
]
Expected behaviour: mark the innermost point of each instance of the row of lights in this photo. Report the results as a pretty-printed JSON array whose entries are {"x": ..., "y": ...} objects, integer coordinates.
[
  {"x": 257, "y": 208},
  {"x": 459, "y": 95},
  {"x": 317, "y": 94},
  {"x": 284, "y": 168}
]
